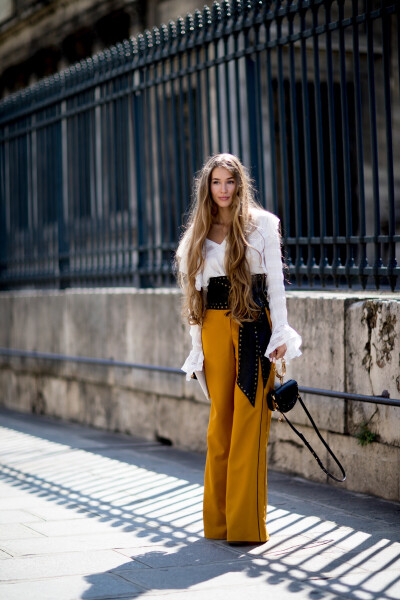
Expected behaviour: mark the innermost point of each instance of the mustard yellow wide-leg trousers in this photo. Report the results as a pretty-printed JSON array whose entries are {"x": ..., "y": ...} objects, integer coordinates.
[{"x": 235, "y": 481}]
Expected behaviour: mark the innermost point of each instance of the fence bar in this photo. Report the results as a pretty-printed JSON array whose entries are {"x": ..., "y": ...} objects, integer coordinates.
[
  {"x": 309, "y": 195},
  {"x": 295, "y": 154},
  {"x": 345, "y": 146},
  {"x": 323, "y": 260},
  {"x": 374, "y": 144},
  {"x": 348, "y": 396},
  {"x": 362, "y": 258},
  {"x": 332, "y": 118},
  {"x": 271, "y": 118},
  {"x": 105, "y": 362},
  {"x": 282, "y": 126},
  {"x": 108, "y": 362},
  {"x": 392, "y": 263}
]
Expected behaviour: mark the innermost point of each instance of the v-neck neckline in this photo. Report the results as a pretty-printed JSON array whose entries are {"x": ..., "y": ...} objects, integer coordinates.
[{"x": 216, "y": 243}]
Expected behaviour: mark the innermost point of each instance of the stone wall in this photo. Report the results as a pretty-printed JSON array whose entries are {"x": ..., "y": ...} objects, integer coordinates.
[{"x": 350, "y": 343}]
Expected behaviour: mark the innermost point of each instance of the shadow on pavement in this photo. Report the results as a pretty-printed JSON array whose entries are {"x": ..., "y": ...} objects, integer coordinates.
[{"x": 324, "y": 541}]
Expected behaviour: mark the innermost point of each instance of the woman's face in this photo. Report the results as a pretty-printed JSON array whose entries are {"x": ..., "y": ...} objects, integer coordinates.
[{"x": 222, "y": 187}]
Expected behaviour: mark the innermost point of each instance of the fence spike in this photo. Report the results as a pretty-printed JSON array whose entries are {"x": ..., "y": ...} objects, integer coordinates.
[
  {"x": 156, "y": 37},
  {"x": 189, "y": 24},
  {"x": 198, "y": 20},
  {"x": 207, "y": 17},
  {"x": 163, "y": 34},
  {"x": 141, "y": 42},
  {"x": 172, "y": 33},
  {"x": 226, "y": 10},
  {"x": 180, "y": 27},
  {"x": 236, "y": 8}
]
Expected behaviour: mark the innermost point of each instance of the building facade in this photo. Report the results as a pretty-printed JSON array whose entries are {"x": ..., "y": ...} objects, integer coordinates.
[{"x": 41, "y": 37}]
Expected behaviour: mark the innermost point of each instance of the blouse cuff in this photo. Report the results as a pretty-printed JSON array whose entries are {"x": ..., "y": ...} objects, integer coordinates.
[
  {"x": 194, "y": 362},
  {"x": 284, "y": 334}
]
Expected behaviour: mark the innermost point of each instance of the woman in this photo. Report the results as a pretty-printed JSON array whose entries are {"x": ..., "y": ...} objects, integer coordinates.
[{"x": 230, "y": 268}]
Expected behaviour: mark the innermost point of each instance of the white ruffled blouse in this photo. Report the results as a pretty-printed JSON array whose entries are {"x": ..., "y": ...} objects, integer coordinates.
[{"x": 263, "y": 257}]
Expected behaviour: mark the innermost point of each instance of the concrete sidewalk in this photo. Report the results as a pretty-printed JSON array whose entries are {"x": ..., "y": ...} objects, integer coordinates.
[{"x": 89, "y": 514}]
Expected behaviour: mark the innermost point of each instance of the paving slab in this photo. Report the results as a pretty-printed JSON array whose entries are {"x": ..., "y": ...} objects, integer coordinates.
[
  {"x": 75, "y": 543},
  {"x": 67, "y": 563},
  {"x": 91, "y": 514},
  {"x": 197, "y": 553},
  {"x": 102, "y": 586},
  {"x": 18, "y": 516},
  {"x": 13, "y": 531}
]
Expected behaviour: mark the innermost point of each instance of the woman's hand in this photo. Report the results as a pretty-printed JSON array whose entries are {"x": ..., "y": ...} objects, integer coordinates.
[{"x": 279, "y": 352}]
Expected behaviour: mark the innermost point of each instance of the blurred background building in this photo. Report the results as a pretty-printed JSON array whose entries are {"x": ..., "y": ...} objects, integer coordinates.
[{"x": 40, "y": 37}]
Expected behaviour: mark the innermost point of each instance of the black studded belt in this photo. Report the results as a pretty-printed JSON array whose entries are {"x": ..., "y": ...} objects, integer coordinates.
[{"x": 254, "y": 336}]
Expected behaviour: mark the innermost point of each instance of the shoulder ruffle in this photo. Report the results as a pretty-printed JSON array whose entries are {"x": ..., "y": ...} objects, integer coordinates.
[{"x": 265, "y": 219}]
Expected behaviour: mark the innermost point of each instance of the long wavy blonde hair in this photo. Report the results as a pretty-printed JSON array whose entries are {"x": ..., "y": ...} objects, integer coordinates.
[{"x": 202, "y": 215}]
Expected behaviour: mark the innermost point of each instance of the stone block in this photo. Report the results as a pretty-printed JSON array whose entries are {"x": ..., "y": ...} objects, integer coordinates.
[
  {"x": 287, "y": 453},
  {"x": 7, "y": 387},
  {"x": 54, "y": 393},
  {"x": 373, "y": 347},
  {"x": 134, "y": 413},
  {"x": 46, "y": 331},
  {"x": 6, "y": 315},
  {"x": 372, "y": 469},
  {"x": 98, "y": 404},
  {"x": 319, "y": 318},
  {"x": 373, "y": 365},
  {"x": 19, "y": 391},
  {"x": 155, "y": 338},
  {"x": 88, "y": 326},
  {"x": 63, "y": 398},
  {"x": 184, "y": 422}
]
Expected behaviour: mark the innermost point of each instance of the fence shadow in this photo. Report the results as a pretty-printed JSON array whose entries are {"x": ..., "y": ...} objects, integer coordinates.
[{"x": 323, "y": 540}]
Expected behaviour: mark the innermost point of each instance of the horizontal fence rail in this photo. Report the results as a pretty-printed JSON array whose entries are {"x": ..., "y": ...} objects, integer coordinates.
[
  {"x": 108, "y": 362},
  {"x": 97, "y": 161}
]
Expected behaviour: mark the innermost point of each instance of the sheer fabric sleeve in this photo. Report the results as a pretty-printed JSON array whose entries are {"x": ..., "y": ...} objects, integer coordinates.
[
  {"x": 195, "y": 359},
  {"x": 282, "y": 333}
]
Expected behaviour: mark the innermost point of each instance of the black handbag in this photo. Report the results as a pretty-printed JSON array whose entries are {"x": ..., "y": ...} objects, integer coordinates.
[{"x": 283, "y": 399}]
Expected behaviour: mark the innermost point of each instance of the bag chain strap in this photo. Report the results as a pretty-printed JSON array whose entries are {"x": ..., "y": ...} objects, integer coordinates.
[{"x": 301, "y": 436}]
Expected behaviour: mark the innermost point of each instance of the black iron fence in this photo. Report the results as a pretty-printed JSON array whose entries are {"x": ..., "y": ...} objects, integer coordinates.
[{"x": 96, "y": 162}]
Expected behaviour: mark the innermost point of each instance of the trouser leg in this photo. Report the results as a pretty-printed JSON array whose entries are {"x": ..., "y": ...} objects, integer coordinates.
[
  {"x": 235, "y": 485},
  {"x": 246, "y": 490},
  {"x": 220, "y": 372}
]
